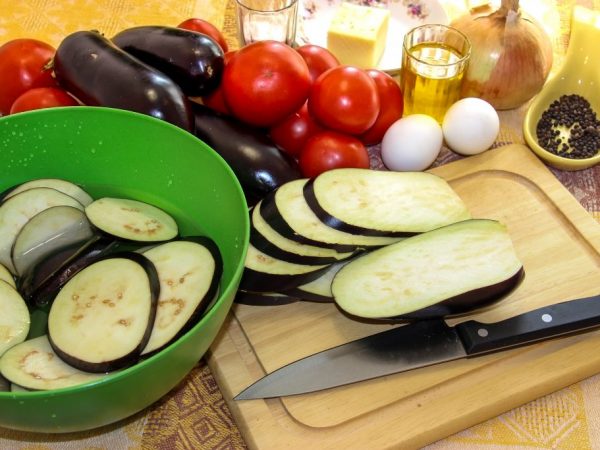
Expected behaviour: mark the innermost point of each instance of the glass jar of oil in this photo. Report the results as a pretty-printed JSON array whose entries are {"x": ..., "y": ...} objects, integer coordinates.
[{"x": 434, "y": 59}]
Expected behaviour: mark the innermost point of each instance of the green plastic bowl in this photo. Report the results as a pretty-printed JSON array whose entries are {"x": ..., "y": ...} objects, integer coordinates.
[{"x": 112, "y": 152}]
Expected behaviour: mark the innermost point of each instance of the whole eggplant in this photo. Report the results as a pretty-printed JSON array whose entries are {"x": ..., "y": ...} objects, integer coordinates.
[
  {"x": 193, "y": 60},
  {"x": 258, "y": 164},
  {"x": 98, "y": 73}
]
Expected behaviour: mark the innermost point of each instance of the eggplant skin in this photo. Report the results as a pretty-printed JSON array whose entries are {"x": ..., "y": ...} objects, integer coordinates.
[
  {"x": 193, "y": 60},
  {"x": 257, "y": 163},
  {"x": 98, "y": 73}
]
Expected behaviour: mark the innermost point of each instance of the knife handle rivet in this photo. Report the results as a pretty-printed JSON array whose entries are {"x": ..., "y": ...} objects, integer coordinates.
[
  {"x": 547, "y": 318},
  {"x": 482, "y": 332}
]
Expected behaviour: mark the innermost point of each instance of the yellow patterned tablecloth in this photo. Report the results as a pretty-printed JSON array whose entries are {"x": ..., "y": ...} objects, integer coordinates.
[{"x": 194, "y": 415}]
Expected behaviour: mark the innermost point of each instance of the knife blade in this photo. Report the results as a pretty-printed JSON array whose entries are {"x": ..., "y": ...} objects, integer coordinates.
[{"x": 420, "y": 344}]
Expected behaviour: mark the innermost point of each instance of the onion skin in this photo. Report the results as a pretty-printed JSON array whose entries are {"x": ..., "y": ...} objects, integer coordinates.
[{"x": 511, "y": 56}]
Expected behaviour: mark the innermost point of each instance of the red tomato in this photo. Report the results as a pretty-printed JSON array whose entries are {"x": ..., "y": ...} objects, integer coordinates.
[
  {"x": 391, "y": 109},
  {"x": 291, "y": 134},
  {"x": 205, "y": 27},
  {"x": 331, "y": 150},
  {"x": 265, "y": 82},
  {"x": 216, "y": 100},
  {"x": 22, "y": 67},
  {"x": 344, "y": 99},
  {"x": 318, "y": 59},
  {"x": 39, "y": 98}
]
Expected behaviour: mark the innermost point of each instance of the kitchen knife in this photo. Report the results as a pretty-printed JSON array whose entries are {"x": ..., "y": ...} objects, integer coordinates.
[{"x": 421, "y": 344}]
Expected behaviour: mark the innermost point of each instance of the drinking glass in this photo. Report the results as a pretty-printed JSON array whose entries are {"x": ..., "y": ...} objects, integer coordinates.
[{"x": 260, "y": 20}]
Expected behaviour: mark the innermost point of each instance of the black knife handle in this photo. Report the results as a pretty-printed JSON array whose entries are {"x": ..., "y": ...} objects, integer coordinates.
[{"x": 551, "y": 321}]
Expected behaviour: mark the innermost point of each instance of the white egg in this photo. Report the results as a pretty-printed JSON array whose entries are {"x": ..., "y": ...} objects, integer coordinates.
[
  {"x": 412, "y": 143},
  {"x": 470, "y": 126}
]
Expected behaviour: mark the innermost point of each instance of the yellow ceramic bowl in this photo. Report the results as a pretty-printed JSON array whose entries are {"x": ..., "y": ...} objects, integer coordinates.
[{"x": 579, "y": 74}]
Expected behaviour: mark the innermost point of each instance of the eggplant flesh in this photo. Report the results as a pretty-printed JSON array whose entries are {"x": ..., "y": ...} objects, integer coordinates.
[
  {"x": 34, "y": 365},
  {"x": 189, "y": 271},
  {"x": 52, "y": 229},
  {"x": 15, "y": 317},
  {"x": 64, "y": 186},
  {"x": 102, "y": 318},
  {"x": 378, "y": 203},
  {"x": 287, "y": 211},
  {"x": 193, "y": 60},
  {"x": 131, "y": 219},
  {"x": 16, "y": 211},
  {"x": 258, "y": 164},
  {"x": 448, "y": 271},
  {"x": 98, "y": 73}
]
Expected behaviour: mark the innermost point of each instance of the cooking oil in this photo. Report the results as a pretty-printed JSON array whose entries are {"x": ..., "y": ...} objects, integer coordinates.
[{"x": 431, "y": 78}]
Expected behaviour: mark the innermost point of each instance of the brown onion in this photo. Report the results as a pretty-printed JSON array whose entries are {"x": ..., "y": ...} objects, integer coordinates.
[{"x": 511, "y": 56}]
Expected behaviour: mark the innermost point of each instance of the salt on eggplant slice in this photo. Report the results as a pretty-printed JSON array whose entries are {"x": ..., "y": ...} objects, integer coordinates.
[
  {"x": 14, "y": 317},
  {"x": 34, "y": 365},
  {"x": 318, "y": 290},
  {"x": 189, "y": 271},
  {"x": 287, "y": 211},
  {"x": 54, "y": 228},
  {"x": 263, "y": 273},
  {"x": 131, "y": 219},
  {"x": 447, "y": 271},
  {"x": 380, "y": 203},
  {"x": 102, "y": 318},
  {"x": 5, "y": 275},
  {"x": 269, "y": 241},
  {"x": 41, "y": 283},
  {"x": 17, "y": 210},
  {"x": 64, "y": 186},
  {"x": 264, "y": 298}
]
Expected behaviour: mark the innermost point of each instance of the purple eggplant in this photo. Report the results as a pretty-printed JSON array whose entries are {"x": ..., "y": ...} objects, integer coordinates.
[
  {"x": 98, "y": 73},
  {"x": 258, "y": 164},
  {"x": 193, "y": 60}
]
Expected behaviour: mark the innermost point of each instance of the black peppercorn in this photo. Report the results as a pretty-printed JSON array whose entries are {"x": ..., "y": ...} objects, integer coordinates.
[{"x": 569, "y": 128}]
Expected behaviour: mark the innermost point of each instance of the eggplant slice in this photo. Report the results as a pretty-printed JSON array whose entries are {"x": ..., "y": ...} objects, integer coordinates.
[
  {"x": 102, "y": 318},
  {"x": 318, "y": 290},
  {"x": 131, "y": 219},
  {"x": 264, "y": 298},
  {"x": 64, "y": 186},
  {"x": 447, "y": 271},
  {"x": 16, "y": 211},
  {"x": 34, "y": 365},
  {"x": 378, "y": 203},
  {"x": 47, "y": 232},
  {"x": 269, "y": 241},
  {"x": 5, "y": 275},
  {"x": 14, "y": 317},
  {"x": 189, "y": 271},
  {"x": 263, "y": 273},
  {"x": 287, "y": 211}
]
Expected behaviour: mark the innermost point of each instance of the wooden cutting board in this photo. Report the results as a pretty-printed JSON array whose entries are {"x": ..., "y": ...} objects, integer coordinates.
[{"x": 559, "y": 245}]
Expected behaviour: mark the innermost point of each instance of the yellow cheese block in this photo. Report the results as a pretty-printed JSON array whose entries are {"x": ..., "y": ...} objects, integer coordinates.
[{"x": 357, "y": 34}]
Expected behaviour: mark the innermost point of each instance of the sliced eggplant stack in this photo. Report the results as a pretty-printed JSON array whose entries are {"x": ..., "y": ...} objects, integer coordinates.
[
  {"x": 263, "y": 273},
  {"x": 102, "y": 318},
  {"x": 14, "y": 317},
  {"x": 33, "y": 365},
  {"x": 318, "y": 290},
  {"x": 264, "y": 298},
  {"x": 287, "y": 211},
  {"x": 381, "y": 203},
  {"x": 448, "y": 271},
  {"x": 17, "y": 210},
  {"x": 132, "y": 220},
  {"x": 264, "y": 238},
  {"x": 189, "y": 271},
  {"x": 47, "y": 232},
  {"x": 64, "y": 186}
]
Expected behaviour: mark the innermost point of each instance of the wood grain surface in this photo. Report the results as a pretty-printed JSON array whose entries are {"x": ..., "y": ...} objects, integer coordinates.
[{"x": 559, "y": 245}]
